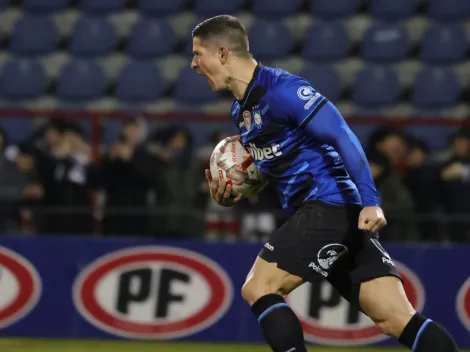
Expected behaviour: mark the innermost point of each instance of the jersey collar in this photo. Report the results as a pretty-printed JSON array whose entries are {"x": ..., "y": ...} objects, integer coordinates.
[{"x": 250, "y": 85}]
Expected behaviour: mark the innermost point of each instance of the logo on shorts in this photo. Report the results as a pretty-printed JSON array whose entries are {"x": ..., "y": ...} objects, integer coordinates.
[
  {"x": 330, "y": 253},
  {"x": 318, "y": 269},
  {"x": 268, "y": 246}
]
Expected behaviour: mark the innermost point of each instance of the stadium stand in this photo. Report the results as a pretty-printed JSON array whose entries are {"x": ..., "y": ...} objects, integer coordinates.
[{"x": 401, "y": 57}]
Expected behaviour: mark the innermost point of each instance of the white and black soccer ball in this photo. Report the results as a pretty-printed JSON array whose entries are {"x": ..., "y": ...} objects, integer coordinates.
[{"x": 232, "y": 162}]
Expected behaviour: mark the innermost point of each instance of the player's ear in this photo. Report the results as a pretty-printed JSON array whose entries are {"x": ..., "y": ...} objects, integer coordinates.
[{"x": 223, "y": 55}]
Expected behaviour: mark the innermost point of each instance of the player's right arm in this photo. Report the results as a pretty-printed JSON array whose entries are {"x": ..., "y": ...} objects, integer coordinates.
[{"x": 221, "y": 192}]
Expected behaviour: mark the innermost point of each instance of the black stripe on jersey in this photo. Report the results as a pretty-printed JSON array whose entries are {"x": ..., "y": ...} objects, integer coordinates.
[
  {"x": 297, "y": 199},
  {"x": 313, "y": 113}
]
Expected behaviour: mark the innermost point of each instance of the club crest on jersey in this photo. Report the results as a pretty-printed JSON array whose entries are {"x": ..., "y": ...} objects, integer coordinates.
[
  {"x": 257, "y": 117},
  {"x": 247, "y": 119},
  {"x": 305, "y": 93}
]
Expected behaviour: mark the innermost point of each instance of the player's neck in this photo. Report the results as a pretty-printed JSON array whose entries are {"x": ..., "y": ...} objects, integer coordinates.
[{"x": 241, "y": 76}]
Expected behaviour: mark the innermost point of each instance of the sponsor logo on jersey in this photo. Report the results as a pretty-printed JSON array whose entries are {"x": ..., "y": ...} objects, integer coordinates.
[
  {"x": 329, "y": 319},
  {"x": 312, "y": 101},
  {"x": 247, "y": 119},
  {"x": 266, "y": 152},
  {"x": 330, "y": 253},
  {"x": 305, "y": 92},
  {"x": 20, "y": 287},
  {"x": 152, "y": 293},
  {"x": 463, "y": 304}
]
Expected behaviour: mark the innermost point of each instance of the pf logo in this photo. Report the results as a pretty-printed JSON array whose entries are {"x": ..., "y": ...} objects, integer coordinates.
[
  {"x": 152, "y": 293},
  {"x": 20, "y": 287},
  {"x": 329, "y": 319},
  {"x": 463, "y": 304}
]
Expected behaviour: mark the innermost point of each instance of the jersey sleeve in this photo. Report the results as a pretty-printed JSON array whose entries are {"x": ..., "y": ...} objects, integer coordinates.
[
  {"x": 301, "y": 105},
  {"x": 296, "y": 101}
]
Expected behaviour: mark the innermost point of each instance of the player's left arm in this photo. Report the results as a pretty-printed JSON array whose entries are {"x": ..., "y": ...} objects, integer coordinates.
[{"x": 320, "y": 119}]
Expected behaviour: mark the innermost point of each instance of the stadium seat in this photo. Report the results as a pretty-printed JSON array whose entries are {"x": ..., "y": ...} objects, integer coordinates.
[
  {"x": 375, "y": 87},
  {"x": 436, "y": 88},
  {"x": 159, "y": 8},
  {"x": 276, "y": 8},
  {"x": 81, "y": 81},
  {"x": 433, "y": 136},
  {"x": 22, "y": 79},
  {"x": 92, "y": 37},
  {"x": 395, "y": 10},
  {"x": 34, "y": 35},
  {"x": 101, "y": 7},
  {"x": 328, "y": 9},
  {"x": 217, "y": 7},
  {"x": 18, "y": 129},
  {"x": 270, "y": 40},
  {"x": 44, "y": 6},
  {"x": 151, "y": 39},
  {"x": 385, "y": 43},
  {"x": 193, "y": 89},
  {"x": 326, "y": 42},
  {"x": 449, "y": 10},
  {"x": 444, "y": 44},
  {"x": 324, "y": 80},
  {"x": 139, "y": 82}
]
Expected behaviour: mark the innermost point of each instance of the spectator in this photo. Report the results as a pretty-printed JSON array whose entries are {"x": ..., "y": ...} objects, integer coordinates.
[
  {"x": 178, "y": 189},
  {"x": 455, "y": 178},
  {"x": 17, "y": 184},
  {"x": 62, "y": 172},
  {"x": 422, "y": 180},
  {"x": 127, "y": 174},
  {"x": 391, "y": 143},
  {"x": 396, "y": 200}
]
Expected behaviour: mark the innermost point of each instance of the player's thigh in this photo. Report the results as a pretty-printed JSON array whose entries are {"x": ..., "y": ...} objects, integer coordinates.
[
  {"x": 266, "y": 278},
  {"x": 380, "y": 290}
]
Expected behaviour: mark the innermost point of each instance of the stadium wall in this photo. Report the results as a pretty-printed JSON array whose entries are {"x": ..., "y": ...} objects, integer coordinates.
[{"x": 139, "y": 289}]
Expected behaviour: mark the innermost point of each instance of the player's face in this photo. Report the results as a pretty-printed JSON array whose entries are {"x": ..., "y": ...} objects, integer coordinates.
[{"x": 208, "y": 62}]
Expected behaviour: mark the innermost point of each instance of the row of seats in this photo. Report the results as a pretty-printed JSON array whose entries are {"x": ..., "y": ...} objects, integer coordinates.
[
  {"x": 448, "y": 10},
  {"x": 270, "y": 40},
  {"x": 142, "y": 82}
]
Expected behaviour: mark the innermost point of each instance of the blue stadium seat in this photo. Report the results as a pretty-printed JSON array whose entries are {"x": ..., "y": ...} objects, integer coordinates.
[
  {"x": 217, "y": 7},
  {"x": 436, "y": 88},
  {"x": 326, "y": 42},
  {"x": 18, "y": 129},
  {"x": 328, "y": 9},
  {"x": 34, "y": 35},
  {"x": 151, "y": 39},
  {"x": 193, "y": 89},
  {"x": 81, "y": 81},
  {"x": 44, "y": 6},
  {"x": 276, "y": 8},
  {"x": 139, "y": 82},
  {"x": 444, "y": 44},
  {"x": 375, "y": 87},
  {"x": 392, "y": 10},
  {"x": 270, "y": 40},
  {"x": 385, "y": 43},
  {"x": 101, "y": 7},
  {"x": 22, "y": 79},
  {"x": 159, "y": 8},
  {"x": 92, "y": 37},
  {"x": 449, "y": 10},
  {"x": 110, "y": 131},
  {"x": 434, "y": 136},
  {"x": 324, "y": 80}
]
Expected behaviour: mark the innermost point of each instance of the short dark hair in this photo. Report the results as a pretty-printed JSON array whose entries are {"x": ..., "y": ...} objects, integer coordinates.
[{"x": 227, "y": 29}]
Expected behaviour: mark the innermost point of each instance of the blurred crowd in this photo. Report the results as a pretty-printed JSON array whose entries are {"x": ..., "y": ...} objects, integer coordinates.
[{"x": 153, "y": 184}]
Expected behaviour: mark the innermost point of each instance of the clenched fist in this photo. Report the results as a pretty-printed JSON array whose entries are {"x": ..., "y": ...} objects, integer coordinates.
[{"x": 371, "y": 219}]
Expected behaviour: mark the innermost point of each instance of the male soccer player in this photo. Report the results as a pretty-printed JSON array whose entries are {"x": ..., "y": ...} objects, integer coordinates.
[{"x": 301, "y": 142}]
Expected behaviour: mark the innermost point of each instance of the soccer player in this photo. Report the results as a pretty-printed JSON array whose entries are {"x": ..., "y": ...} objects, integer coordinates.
[{"x": 300, "y": 141}]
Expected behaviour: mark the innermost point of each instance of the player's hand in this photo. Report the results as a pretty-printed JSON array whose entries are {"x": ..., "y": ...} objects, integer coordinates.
[
  {"x": 453, "y": 172},
  {"x": 221, "y": 192},
  {"x": 371, "y": 219}
]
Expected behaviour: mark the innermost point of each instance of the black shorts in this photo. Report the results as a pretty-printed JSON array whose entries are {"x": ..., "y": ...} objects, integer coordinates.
[{"x": 321, "y": 241}]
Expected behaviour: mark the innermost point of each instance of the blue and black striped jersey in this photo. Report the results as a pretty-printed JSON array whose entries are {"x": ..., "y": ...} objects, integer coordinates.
[{"x": 275, "y": 121}]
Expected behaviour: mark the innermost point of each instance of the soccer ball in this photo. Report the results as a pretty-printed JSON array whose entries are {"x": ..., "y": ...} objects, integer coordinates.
[{"x": 232, "y": 162}]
